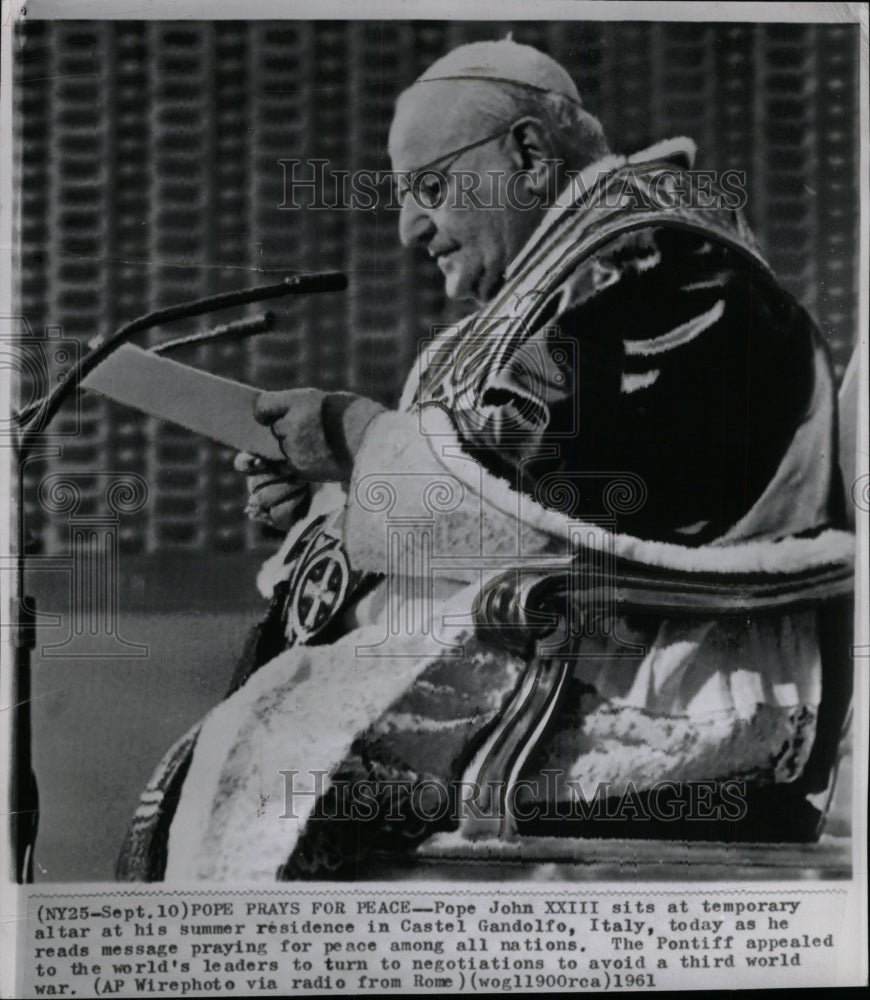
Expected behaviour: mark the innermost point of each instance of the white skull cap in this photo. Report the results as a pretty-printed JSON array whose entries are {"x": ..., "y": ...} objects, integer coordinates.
[{"x": 504, "y": 61}]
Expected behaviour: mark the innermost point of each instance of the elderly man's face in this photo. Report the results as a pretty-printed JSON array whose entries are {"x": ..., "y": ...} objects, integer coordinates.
[{"x": 471, "y": 244}]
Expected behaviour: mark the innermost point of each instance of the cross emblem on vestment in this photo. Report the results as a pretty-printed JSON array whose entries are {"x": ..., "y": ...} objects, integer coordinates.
[
  {"x": 318, "y": 587},
  {"x": 320, "y": 590}
]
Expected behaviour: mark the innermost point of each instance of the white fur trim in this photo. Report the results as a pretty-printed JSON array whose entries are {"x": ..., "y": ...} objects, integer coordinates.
[
  {"x": 491, "y": 521},
  {"x": 787, "y": 556}
]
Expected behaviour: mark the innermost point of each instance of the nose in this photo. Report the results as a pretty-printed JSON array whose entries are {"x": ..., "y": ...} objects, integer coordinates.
[{"x": 416, "y": 227}]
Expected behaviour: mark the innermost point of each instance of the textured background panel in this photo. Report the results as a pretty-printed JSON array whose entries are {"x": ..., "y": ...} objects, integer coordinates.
[{"x": 149, "y": 157}]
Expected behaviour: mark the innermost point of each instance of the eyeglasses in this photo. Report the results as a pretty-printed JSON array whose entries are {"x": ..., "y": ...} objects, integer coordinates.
[{"x": 426, "y": 183}]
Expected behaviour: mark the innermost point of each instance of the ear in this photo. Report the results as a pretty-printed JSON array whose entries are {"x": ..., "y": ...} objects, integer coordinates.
[{"x": 534, "y": 152}]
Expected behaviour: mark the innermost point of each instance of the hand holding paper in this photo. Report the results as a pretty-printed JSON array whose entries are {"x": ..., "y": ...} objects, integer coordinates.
[
  {"x": 318, "y": 432},
  {"x": 314, "y": 434}
]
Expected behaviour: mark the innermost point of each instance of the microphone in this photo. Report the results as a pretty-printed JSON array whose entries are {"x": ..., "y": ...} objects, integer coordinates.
[
  {"x": 227, "y": 331},
  {"x": 298, "y": 284},
  {"x": 31, "y": 419}
]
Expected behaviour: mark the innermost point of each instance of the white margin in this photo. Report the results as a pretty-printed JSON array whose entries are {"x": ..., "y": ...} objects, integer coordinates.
[
  {"x": 435, "y": 10},
  {"x": 9, "y": 891}
]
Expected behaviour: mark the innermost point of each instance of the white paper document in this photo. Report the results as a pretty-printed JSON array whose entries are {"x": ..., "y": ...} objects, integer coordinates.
[{"x": 218, "y": 408}]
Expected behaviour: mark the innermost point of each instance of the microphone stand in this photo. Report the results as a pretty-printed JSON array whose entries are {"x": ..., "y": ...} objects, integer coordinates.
[{"x": 33, "y": 419}]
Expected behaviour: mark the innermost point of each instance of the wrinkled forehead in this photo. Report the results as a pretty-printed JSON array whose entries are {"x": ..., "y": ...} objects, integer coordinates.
[{"x": 433, "y": 118}]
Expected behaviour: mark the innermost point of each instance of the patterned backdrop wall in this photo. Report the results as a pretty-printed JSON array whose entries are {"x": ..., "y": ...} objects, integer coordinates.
[{"x": 149, "y": 163}]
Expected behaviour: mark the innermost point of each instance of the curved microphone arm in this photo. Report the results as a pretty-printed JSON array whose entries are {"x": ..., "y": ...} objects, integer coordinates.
[
  {"x": 47, "y": 407},
  {"x": 24, "y": 797}
]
